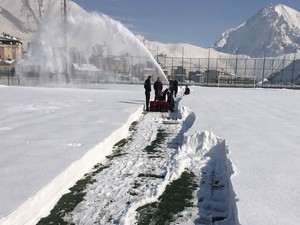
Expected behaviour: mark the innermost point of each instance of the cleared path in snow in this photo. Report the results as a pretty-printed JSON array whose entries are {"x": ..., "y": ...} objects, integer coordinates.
[
  {"x": 136, "y": 177},
  {"x": 155, "y": 154}
]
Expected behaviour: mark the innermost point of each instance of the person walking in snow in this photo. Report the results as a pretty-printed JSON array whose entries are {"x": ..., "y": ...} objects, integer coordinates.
[
  {"x": 147, "y": 86},
  {"x": 158, "y": 86}
]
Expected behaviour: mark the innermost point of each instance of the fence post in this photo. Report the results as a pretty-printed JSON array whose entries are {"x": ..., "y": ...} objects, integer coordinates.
[
  {"x": 293, "y": 69},
  {"x": 245, "y": 67},
  {"x": 139, "y": 72},
  {"x": 190, "y": 64},
  {"x": 182, "y": 61},
  {"x": 236, "y": 62},
  {"x": 8, "y": 76},
  {"x": 263, "y": 72},
  {"x": 172, "y": 72},
  {"x": 255, "y": 68},
  {"x": 283, "y": 62},
  {"x": 208, "y": 66}
]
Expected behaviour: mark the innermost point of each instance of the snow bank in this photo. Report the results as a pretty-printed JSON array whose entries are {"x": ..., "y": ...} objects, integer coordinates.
[
  {"x": 30, "y": 212},
  {"x": 207, "y": 155}
]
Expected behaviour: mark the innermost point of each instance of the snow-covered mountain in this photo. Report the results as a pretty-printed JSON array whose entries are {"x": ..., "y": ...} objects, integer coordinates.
[
  {"x": 273, "y": 31},
  {"x": 178, "y": 50},
  {"x": 22, "y": 19}
]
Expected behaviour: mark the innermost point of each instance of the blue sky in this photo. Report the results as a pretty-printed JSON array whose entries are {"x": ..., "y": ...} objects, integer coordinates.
[{"x": 198, "y": 22}]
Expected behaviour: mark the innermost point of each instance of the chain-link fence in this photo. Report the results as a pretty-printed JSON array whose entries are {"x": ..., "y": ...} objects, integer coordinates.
[
  {"x": 7, "y": 77},
  {"x": 236, "y": 71}
]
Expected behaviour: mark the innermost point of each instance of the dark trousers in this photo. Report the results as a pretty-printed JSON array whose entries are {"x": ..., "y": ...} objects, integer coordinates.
[
  {"x": 147, "y": 94},
  {"x": 174, "y": 92},
  {"x": 156, "y": 95}
]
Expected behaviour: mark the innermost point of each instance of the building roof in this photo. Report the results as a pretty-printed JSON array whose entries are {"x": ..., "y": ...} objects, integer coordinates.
[{"x": 4, "y": 40}]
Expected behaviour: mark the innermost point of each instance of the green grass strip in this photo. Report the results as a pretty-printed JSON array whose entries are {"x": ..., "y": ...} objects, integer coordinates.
[
  {"x": 151, "y": 175},
  {"x": 133, "y": 126},
  {"x": 176, "y": 197},
  {"x": 160, "y": 138},
  {"x": 69, "y": 201}
]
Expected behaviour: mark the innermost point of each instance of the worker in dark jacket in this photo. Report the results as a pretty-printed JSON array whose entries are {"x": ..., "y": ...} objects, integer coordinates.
[
  {"x": 158, "y": 86},
  {"x": 187, "y": 90},
  {"x": 147, "y": 86}
]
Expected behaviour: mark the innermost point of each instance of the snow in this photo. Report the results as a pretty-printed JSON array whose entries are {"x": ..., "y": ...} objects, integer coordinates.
[
  {"x": 50, "y": 137},
  {"x": 253, "y": 37},
  {"x": 261, "y": 129},
  {"x": 85, "y": 67},
  {"x": 44, "y": 131},
  {"x": 290, "y": 15},
  {"x": 178, "y": 50}
]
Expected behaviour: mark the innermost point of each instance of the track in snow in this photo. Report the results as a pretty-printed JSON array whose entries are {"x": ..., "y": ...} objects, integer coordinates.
[
  {"x": 137, "y": 174},
  {"x": 155, "y": 154}
]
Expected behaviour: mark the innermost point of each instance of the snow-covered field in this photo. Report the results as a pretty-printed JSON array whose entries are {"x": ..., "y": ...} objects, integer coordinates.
[
  {"x": 242, "y": 142},
  {"x": 261, "y": 128}
]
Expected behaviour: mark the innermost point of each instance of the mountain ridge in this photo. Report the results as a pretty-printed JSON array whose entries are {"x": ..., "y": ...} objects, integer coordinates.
[{"x": 272, "y": 31}]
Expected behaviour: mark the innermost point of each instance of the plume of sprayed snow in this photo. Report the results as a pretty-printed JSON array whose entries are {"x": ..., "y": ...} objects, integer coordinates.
[{"x": 58, "y": 45}]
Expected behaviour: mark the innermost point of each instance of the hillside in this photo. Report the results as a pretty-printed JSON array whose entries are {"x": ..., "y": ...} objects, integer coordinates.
[{"x": 23, "y": 19}]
